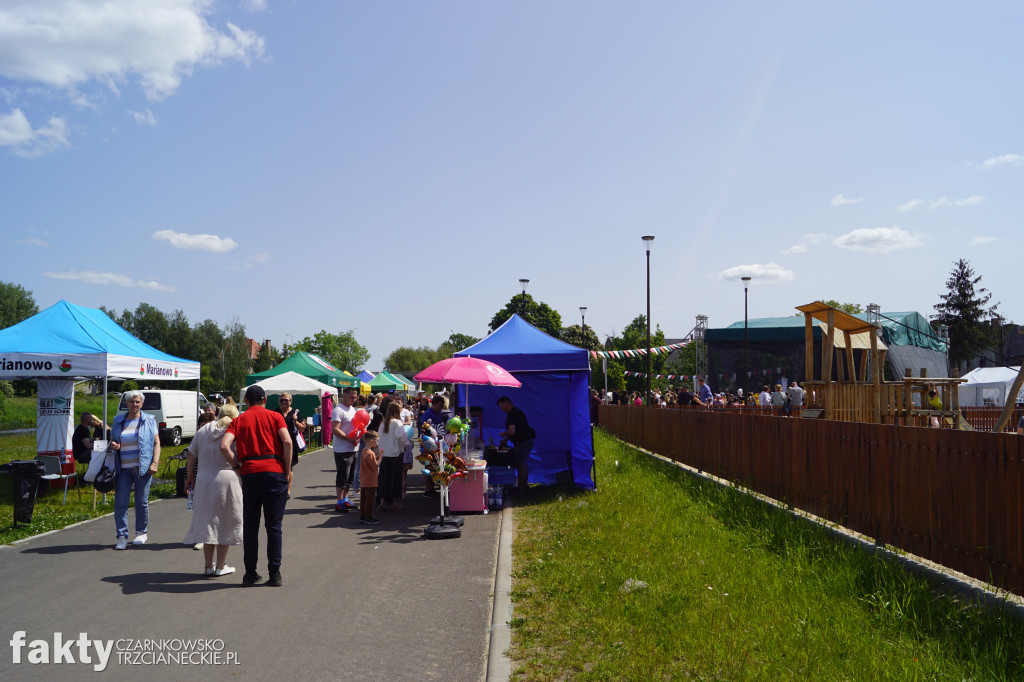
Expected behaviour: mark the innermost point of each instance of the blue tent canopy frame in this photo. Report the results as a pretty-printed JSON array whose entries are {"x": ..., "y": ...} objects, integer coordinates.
[{"x": 554, "y": 395}]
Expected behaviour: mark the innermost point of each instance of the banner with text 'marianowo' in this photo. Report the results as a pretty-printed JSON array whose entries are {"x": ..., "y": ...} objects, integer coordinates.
[
  {"x": 41, "y": 365},
  {"x": 55, "y": 416}
]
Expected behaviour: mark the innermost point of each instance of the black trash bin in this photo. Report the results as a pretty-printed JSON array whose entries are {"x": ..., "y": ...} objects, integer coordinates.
[{"x": 25, "y": 475}]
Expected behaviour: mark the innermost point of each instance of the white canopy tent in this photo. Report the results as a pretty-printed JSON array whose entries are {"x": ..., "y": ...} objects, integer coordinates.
[
  {"x": 989, "y": 387},
  {"x": 294, "y": 383}
]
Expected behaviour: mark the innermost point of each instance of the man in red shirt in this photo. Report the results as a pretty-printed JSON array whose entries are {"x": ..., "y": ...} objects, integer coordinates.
[{"x": 259, "y": 448}]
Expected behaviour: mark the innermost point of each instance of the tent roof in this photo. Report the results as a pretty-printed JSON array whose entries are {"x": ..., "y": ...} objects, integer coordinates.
[
  {"x": 518, "y": 346},
  {"x": 383, "y": 382},
  {"x": 296, "y": 384},
  {"x": 992, "y": 375},
  {"x": 365, "y": 376},
  {"x": 308, "y": 365},
  {"x": 65, "y": 329}
]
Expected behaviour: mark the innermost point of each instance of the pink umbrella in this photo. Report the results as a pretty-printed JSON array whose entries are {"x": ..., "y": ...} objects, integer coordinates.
[{"x": 466, "y": 370}]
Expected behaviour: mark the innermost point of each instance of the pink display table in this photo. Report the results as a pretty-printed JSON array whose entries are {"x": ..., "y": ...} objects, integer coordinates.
[{"x": 469, "y": 494}]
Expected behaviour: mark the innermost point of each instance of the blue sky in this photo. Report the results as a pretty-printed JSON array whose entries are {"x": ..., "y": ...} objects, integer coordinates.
[{"x": 396, "y": 168}]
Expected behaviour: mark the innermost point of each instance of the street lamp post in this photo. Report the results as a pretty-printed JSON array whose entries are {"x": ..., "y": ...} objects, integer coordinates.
[
  {"x": 746, "y": 365},
  {"x": 647, "y": 247},
  {"x": 523, "y": 283},
  {"x": 583, "y": 317}
]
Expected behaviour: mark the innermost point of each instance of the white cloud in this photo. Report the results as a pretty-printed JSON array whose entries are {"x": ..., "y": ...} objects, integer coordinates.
[
  {"x": 839, "y": 200},
  {"x": 17, "y": 133},
  {"x": 254, "y": 5},
  {"x": 106, "y": 278},
  {"x": 262, "y": 257},
  {"x": 32, "y": 241},
  {"x": 933, "y": 204},
  {"x": 911, "y": 205},
  {"x": 66, "y": 43},
  {"x": 878, "y": 240},
  {"x": 981, "y": 241},
  {"x": 770, "y": 273},
  {"x": 143, "y": 117},
  {"x": 805, "y": 241},
  {"x": 195, "y": 242},
  {"x": 1004, "y": 160}
]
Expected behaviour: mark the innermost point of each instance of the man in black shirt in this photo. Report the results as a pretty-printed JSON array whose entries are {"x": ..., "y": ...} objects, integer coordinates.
[{"x": 517, "y": 430}]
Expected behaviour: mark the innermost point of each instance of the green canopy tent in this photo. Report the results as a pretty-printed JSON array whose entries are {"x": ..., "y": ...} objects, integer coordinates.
[
  {"x": 385, "y": 382},
  {"x": 410, "y": 384},
  {"x": 308, "y": 365}
]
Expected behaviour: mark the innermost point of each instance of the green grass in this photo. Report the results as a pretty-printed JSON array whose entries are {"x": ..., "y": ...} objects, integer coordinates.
[
  {"x": 736, "y": 590},
  {"x": 49, "y": 513},
  {"x": 20, "y": 412}
]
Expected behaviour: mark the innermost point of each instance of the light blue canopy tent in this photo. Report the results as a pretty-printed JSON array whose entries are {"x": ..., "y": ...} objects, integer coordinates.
[
  {"x": 68, "y": 341},
  {"x": 554, "y": 396}
]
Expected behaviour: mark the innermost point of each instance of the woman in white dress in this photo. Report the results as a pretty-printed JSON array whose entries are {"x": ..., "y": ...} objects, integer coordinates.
[{"x": 217, "y": 496}]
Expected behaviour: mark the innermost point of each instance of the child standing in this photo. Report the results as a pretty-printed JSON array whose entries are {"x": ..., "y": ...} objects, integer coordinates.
[{"x": 369, "y": 464}]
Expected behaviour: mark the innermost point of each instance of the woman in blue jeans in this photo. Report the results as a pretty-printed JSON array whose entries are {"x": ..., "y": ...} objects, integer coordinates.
[{"x": 134, "y": 436}]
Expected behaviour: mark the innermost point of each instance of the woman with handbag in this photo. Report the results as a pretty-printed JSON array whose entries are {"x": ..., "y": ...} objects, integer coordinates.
[
  {"x": 296, "y": 426},
  {"x": 136, "y": 444}
]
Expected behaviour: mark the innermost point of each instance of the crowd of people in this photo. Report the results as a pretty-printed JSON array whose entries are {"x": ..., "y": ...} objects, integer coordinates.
[
  {"x": 239, "y": 467},
  {"x": 776, "y": 400}
]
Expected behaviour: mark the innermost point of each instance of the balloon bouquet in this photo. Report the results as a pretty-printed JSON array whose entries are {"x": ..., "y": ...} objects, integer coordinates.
[
  {"x": 441, "y": 461},
  {"x": 360, "y": 421}
]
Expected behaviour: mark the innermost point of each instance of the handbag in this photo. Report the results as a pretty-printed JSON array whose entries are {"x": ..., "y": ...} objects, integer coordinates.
[
  {"x": 300, "y": 442},
  {"x": 106, "y": 477}
]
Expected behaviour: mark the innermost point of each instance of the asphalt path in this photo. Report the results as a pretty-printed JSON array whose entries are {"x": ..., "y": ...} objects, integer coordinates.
[{"x": 358, "y": 602}]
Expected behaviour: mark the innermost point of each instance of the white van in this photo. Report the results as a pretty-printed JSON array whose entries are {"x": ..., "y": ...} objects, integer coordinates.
[{"x": 175, "y": 412}]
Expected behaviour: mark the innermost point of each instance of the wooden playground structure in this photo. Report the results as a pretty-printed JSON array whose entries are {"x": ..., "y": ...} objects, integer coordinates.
[{"x": 854, "y": 396}]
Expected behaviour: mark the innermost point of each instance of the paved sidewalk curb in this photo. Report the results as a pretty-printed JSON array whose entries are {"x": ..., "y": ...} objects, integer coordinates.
[{"x": 499, "y": 666}]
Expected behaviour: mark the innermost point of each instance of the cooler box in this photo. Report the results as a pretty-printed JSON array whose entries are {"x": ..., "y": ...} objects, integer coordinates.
[{"x": 469, "y": 494}]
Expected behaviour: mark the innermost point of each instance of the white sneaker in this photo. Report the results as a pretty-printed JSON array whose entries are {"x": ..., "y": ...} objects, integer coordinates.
[
  {"x": 122, "y": 542},
  {"x": 227, "y": 570},
  {"x": 140, "y": 539}
]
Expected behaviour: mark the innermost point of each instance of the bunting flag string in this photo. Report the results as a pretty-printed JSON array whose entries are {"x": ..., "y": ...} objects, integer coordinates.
[
  {"x": 725, "y": 376},
  {"x": 637, "y": 352}
]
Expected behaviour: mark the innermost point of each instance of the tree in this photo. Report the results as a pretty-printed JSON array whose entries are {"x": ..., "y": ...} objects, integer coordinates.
[
  {"x": 16, "y": 304},
  {"x": 635, "y": 336},
  {"x": 341, "y": 350},
  {"x": 576, "y": 336},
  {"x": 409, "y": 361},
  {"x": 963, "y": 311},
  {"x": 234, "y": 360},
  {"x": 268, "y": 358},
  {"x": 460, "y": 341},
  {"x": 539, "y": 314}
]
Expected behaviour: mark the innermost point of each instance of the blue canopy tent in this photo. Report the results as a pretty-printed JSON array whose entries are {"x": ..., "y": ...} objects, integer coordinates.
[{"x": 554, "y": 395}]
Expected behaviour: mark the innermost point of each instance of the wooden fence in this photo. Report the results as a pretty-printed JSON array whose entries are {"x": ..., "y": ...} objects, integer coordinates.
[{"x": 953, "y": 497}]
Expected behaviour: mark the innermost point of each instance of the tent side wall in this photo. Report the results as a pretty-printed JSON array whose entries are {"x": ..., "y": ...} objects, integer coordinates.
[{"x": 557, "y": 407}]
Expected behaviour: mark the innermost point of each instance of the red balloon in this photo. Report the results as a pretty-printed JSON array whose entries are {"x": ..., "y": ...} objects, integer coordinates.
[{"x": 361, "y": 419}]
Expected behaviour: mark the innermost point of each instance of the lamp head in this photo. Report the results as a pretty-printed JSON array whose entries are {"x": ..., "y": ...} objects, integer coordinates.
[
  {"x": 523, "y": 283},
  {"x": 647, "y": 243},
  {"x": 746, "y": 282}
]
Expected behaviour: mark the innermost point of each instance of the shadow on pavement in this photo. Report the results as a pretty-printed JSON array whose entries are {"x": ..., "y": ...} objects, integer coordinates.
[{"x": 173, "y": 583}]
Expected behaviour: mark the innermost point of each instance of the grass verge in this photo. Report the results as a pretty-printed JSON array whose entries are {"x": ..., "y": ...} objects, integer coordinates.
[
  {"x": 735, "y": 589},
  {"x": 20, "y": 411},
  {"x": 49, "y": 513}
]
